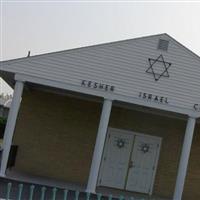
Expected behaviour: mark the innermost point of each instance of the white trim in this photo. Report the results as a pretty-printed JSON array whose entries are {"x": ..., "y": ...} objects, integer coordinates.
[
  {"x": 61, "y": 85},
  {"x": 99, "y": 146},
  {"x": 156, "y": 165},
  {"x": 10, "y": 126},
  {"x": 135, "y": 133},
  {"x": 130, "y": 132},
  {"x": 106, "y": 95},
  {"x": 103, "y": 44},
  {"x": 184, "y": 159},
  {"x": 8, "y": 62}
]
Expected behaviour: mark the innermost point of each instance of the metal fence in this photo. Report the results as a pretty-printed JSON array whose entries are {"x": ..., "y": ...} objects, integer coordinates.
[{"x": 30, "y": 192}]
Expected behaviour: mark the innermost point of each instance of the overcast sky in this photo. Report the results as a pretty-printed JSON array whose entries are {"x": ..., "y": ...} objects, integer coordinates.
[{"x": 48, "y": 26}]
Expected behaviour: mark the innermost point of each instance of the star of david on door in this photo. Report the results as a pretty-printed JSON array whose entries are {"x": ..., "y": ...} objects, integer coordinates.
[{"x": 158, "y": 67}]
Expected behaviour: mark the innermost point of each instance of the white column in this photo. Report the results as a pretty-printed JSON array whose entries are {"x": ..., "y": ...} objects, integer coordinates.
[
  {"x": 99, "y": 145},
  {"x": 10, "y": 126},
  {"x": 184, "y": 159}
]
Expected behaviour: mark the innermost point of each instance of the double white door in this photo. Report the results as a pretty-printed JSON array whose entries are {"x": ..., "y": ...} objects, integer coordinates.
[{"x": 129, "y": 161}]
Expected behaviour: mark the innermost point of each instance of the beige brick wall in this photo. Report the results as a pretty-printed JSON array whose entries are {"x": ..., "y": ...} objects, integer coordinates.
[{"x": 56, "y": 136}]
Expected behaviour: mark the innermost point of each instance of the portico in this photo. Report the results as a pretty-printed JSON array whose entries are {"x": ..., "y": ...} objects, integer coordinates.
[
  {"x": 124, "y": 109},
  {"x": 100, "y": 141}
]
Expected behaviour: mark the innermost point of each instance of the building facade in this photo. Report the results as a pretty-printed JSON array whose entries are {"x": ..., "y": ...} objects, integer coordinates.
[{"x": 121, "y": 116}]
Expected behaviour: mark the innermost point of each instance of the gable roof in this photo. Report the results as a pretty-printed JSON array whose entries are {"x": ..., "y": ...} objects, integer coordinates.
[
  {"x": 121, "y": 64},
  {"x": 102, "y": 44}
]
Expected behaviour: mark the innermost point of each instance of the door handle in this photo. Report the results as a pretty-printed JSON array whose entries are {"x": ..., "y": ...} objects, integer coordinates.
[{"x": 131, "y": 165}]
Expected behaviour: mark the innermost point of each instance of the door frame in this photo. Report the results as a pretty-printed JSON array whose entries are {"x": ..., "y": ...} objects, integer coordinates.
[
  {"x": 159, "y": 139},
  {"x": 156, "y": 161},
  {"x": 106, "y": 148}
]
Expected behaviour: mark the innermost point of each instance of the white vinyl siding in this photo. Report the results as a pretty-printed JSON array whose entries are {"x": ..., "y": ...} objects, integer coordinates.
[{"x": 123, "y": 65}]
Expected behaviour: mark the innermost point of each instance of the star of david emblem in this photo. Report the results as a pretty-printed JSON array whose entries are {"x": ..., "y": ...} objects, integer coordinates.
[
  {"x": 145, "y": 148},
  {"x": 158, "y": 67},
  {"x": 120, "y": 143}
]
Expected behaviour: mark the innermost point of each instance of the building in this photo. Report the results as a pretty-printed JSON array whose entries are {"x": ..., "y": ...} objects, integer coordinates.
[{"x": 122, "y": 116}]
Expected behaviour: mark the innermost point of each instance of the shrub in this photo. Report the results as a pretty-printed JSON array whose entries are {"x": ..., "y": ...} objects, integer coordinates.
[{"x": 2, "y": 121}]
